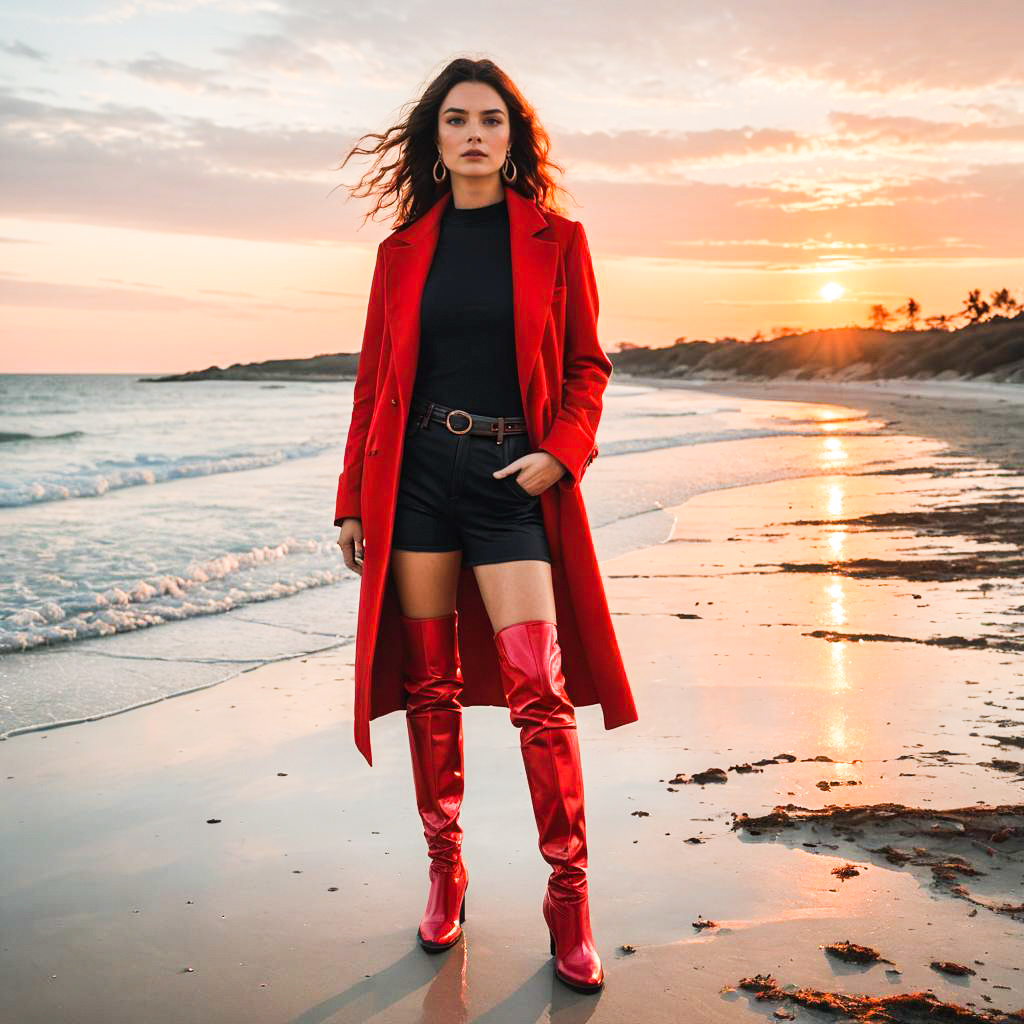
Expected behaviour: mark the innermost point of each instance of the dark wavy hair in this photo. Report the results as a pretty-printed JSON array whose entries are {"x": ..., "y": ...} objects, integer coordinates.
[{"x": 408, "y": 182}]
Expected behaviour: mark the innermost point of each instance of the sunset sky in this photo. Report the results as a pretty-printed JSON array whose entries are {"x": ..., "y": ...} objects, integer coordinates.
[{"x": 167, "y": 165}]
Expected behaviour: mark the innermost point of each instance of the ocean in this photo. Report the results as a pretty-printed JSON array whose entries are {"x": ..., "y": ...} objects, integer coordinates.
[{"x": 161, "y": 537}]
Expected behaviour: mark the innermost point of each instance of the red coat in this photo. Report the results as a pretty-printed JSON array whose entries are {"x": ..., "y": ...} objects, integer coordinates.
[{"x": 563, "y": 372}]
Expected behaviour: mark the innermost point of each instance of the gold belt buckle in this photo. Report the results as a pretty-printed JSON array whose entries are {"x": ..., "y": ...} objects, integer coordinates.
[{"x": 461, "y": 412}]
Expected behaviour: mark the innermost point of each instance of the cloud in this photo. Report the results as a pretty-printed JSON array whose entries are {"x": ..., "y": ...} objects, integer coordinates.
[
  {"x": 132, "y": 297},
  {"x": 20, "y": 49},
  {"x": 659, "y": 48},
  {"x": 919, "y": 133},
  {"x": 847, "y": 192},
  {"x": 127, "y": 166},
  {"x": 173, "y": 74},
  {"x": 270, "y": 52}
]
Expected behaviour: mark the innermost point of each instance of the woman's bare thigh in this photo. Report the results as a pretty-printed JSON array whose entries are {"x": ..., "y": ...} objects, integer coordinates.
[
  {"x": 426, "y": 581},
  {"x": 516, "y": 591}
]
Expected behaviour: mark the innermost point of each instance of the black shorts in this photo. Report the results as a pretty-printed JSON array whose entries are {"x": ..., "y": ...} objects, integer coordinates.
[{"x": 448, "y": 500}]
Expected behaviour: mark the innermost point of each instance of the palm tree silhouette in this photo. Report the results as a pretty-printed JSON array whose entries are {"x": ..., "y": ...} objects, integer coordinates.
[
  {"x": 912, "y": 310},
  {"x": 1002, "y": 299},
  {"x": 878, "y": 317},
  {"x": 975, "y": 307}
]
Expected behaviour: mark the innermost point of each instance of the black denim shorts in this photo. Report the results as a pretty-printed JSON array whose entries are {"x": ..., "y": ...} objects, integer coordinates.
[{"x": 448, "y": 500}]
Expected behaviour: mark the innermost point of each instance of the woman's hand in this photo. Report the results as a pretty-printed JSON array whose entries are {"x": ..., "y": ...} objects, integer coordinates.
[
  {"x": 537, "y": 471},
  {"x": 350, "y": 540}
]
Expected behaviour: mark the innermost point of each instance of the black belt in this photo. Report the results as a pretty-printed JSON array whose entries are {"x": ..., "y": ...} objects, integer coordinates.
[{"x": 458, "y": 421}]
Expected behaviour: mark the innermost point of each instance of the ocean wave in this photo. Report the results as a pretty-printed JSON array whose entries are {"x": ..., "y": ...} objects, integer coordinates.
[
  {"x": 206, "y": 587},
  {"x": 146, "y": 471},
  {"x": 7, "y": 437}
]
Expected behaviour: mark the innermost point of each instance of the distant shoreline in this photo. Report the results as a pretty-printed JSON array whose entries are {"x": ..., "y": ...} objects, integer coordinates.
[
  {"x": 248, "y": 376},
  {"x": 336, "y": 366},
  {"x": 992, "y": 350}
]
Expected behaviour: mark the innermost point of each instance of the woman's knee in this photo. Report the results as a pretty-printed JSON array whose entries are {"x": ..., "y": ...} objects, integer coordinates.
[{"x": 432, "y": 694}]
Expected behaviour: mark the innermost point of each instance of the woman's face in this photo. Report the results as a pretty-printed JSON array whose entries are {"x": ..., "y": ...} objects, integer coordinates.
[{"x": 473, "y": 116}]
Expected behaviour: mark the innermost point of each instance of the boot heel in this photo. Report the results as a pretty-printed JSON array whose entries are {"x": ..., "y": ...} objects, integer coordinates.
[
  {"x": 552, "y": 938},
  {"x": 462, "y": 911}
]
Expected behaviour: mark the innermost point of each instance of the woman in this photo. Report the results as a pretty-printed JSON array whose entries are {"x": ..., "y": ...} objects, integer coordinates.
[{"x": 475, "y": 408}]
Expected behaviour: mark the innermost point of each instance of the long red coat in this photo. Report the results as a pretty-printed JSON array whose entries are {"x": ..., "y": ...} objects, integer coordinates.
[{"x": 563, "y": 372}]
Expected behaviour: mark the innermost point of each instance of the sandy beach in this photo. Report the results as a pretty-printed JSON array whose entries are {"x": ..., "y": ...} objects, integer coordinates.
[{"x": 850, "y": 634}]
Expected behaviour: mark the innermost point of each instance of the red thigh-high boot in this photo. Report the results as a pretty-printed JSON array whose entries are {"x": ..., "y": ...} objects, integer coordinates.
[
  {"x": 432, "y": 678},
  {"x": 531, "y": 669}
]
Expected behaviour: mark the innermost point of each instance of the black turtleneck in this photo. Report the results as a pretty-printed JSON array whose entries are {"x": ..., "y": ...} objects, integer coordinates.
[{"x": 467, "y": 357}]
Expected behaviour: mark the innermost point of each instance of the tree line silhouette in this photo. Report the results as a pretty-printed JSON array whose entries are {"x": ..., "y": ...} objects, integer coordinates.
[{"x": 974, "y": 310}]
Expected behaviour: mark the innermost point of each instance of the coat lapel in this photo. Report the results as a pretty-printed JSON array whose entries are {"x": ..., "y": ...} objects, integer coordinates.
[{"x": 534, "y": 265}]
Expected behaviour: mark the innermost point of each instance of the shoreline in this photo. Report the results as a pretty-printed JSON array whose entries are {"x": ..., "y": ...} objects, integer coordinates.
[
  {"x": 987, "y": 431},
  {"x": 907, "y": 400}
]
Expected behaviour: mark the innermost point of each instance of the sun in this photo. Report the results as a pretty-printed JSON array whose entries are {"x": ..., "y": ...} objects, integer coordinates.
[{"x": 831, "y": 291}]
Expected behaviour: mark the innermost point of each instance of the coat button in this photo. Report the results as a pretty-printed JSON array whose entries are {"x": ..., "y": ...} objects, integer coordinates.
[
  {"x": 394, "y": 401},
  {"x": 372, "y": 451}
]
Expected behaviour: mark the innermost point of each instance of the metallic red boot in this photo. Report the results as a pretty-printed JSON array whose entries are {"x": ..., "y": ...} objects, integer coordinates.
[
  {"x": 431, "y": 675},
  {"x": 531, "y": 670}
]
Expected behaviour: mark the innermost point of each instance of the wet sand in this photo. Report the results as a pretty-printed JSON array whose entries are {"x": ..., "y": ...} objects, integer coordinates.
[{"x": 793, "y": 646}]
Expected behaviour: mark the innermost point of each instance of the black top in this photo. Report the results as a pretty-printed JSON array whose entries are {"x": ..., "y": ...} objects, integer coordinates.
[{"x": 467, "y": 357}]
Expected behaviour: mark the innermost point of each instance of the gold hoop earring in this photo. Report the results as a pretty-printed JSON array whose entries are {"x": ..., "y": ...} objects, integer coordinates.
[
  {"x": 504, "y": 174},
  {"x": 444, "y": 170}
]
